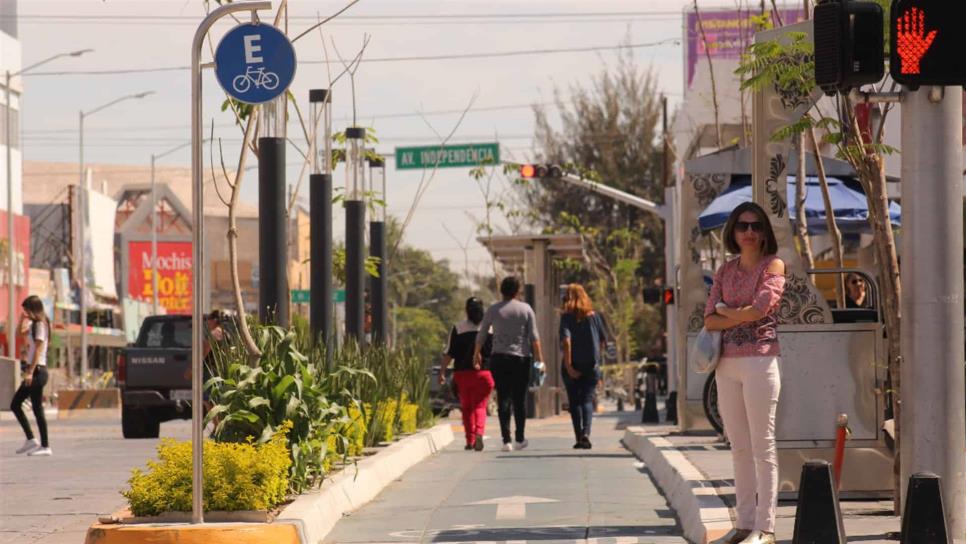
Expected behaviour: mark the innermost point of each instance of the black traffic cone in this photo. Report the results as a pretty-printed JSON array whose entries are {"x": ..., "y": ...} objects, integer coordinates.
[
  {"x": 818, "y": 519},
  {"x": 923, "y": 518}
]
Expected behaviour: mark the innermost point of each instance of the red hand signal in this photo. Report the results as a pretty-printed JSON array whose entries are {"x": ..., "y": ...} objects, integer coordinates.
[{"x": 911, "y": 40}]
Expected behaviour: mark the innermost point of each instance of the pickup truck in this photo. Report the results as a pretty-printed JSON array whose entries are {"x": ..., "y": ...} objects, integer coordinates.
[{"x": 154, "y": 375}]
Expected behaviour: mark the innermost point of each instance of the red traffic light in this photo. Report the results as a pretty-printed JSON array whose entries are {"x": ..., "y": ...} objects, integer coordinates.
[
  {"x": 668, "y": 296},
  {"x": 927, "y": 42},
  {"x": 527, "y": 171}
]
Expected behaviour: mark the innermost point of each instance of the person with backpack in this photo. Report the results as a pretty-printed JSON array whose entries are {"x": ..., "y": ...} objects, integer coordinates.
[
  {"x": 515, "y": 345},
  {"x": 473, "y": 385},
  {"x": 36, "y": 326},
  {"x": 583, "y": 340}
]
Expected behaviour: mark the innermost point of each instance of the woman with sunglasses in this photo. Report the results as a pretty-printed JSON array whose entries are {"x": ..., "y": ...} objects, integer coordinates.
[{"x": 745, "y": 294}]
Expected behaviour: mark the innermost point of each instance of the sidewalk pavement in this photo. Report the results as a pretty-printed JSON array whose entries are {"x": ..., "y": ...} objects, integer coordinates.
[
  {"x": 545, "y": 493},
  {"x": 695, "y": 473}
]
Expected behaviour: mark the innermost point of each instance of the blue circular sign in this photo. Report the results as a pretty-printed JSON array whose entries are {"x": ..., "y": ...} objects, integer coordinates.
[{"x": 255, "y": 63}]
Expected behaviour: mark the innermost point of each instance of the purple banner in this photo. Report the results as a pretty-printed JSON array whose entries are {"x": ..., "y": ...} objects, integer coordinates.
[{"x": 726, "y": 32}]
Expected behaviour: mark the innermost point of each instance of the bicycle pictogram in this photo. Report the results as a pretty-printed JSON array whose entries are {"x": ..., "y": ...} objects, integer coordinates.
[{"x": 257, "y": 77}]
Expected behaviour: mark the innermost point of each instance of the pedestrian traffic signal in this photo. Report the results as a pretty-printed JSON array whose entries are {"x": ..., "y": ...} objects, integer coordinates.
[
  {"x": 540, "y": 171},
  {"x": 927, "y": 42},
  {"x": 668, "y": 296},
  {"x": 848, "y": 44},
  {"x": 659, "y": 295}
]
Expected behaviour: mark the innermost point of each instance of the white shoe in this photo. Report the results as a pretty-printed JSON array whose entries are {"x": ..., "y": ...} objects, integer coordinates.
[
  {"x": 759, "y": 537},
  {"x": 507, "y": 446},
  {"x": 41, "y": 452},
  {"x": 521, "y": 445},
  {"x": 29, "y": 446}
]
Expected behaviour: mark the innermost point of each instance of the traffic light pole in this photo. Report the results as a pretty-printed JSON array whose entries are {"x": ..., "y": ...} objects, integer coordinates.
[
  {"x": 932, "y": 389},
  {"x": 666, "y": 213}
]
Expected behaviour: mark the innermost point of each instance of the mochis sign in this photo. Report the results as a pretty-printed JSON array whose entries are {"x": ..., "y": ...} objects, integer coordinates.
[
  {"x": 174, "y": 275},
  {"x": 254, "y": 63}
]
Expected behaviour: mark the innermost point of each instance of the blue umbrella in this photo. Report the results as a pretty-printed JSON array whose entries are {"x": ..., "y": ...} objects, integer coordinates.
[{"x": 850, "y": 207}]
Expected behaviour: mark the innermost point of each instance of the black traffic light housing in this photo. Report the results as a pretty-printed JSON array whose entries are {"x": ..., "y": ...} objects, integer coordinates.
[
  {"x": 540, "y": 171},
  {"x": 659, "y": 295},
  {"x": 849, "y": 44}
]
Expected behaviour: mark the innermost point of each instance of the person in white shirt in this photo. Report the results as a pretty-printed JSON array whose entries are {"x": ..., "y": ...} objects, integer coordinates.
[{"x": 36, "y": 327}]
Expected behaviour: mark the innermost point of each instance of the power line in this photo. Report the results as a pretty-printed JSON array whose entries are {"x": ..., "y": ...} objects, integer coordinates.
[
  {"x": 461, "y": 56},
  {"x": 46, "y": 17}
]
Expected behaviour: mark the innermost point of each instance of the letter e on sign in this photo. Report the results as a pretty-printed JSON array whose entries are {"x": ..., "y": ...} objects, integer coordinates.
[{"x": 252, "y": 47}]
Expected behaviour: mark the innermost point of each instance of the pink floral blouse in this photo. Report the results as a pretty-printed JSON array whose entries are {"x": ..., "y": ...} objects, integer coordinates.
[{"x": 757, "y": 288}]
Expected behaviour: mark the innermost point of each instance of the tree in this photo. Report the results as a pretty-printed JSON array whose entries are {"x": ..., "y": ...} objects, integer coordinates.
[{"x": 609, "y": 132}]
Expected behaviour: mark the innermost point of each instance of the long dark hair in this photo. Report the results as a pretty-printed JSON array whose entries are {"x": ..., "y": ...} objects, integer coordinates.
[
  {"x": 474, "y": 310},
  {"x": 770, "y": 243},
  {"x": 35, "y": 306}
]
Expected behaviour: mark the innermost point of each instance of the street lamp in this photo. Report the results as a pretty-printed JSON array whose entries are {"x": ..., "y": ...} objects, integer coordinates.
[
  {"x": 377, "y": 247},
  {"x": 82, "y": 207},
  {"x": 355, "y": 217},
  {"x": 154, "y": 225},
  {"x": 11, "y": 308}
]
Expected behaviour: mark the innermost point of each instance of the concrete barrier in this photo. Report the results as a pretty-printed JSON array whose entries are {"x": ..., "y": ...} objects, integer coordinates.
[
  {"x": 704, "y": 515},
  {"x": 88, "y": 403}
]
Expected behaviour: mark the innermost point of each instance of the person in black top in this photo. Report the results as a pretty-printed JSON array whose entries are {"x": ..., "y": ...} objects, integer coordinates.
[
  {"x": 474, "y": 383},
  {"x": 582, "y": 339}
]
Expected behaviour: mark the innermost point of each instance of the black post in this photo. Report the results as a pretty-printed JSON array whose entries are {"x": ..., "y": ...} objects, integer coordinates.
[
  {"x": 355, "y": 224},
  {"x": 320, "y": 227},
  {"x": 378, "y": 300},
  {"x": 273, "y": 295}
]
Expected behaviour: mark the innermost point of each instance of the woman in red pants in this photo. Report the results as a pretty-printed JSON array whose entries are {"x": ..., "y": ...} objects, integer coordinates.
[{"x": 474, "y": 383}]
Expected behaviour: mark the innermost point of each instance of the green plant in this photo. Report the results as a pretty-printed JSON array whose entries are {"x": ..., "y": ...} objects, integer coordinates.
[
  {"x": 285, "y": 386},
  {"x": 237, "y": 476},
  {"x": 408, "y": 422}
]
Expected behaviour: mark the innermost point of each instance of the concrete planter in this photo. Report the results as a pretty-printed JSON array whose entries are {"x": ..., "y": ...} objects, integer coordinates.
[{"x": 306, "y": 520}]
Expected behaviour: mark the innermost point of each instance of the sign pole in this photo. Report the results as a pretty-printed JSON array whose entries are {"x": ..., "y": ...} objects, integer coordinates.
[
  {"x": 197, "y": 231},
  {"x": 932, "y": 417}
]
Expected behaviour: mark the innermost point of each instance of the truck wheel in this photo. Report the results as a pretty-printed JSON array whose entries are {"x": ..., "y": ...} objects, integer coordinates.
[{"x": 138, "y": 424}]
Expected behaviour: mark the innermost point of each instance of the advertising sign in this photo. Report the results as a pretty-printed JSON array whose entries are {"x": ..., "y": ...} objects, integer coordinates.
[
  {"x": 726, "y": 33},
  {"x": 174, "y": 274}
]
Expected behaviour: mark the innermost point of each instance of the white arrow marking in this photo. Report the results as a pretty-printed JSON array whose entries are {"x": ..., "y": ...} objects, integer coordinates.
[{"x": 514, "y": 507}]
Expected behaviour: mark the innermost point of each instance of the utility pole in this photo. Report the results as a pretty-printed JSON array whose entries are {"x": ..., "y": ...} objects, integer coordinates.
[
  {"x": 670, "y": 271},
  {"x": 931, "y": 387}
]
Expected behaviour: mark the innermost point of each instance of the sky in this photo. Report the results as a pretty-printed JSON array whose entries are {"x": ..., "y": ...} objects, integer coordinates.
[{"x": 407, "y": 101}]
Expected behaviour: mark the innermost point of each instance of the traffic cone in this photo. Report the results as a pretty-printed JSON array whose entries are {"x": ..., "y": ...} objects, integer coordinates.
[
  {"x": 923, "y": 518},
  {"x": 818, "y": 519}
]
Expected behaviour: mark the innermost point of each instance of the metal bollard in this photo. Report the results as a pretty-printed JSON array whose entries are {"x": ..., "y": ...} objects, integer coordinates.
[{"x": 841, "y": 433}]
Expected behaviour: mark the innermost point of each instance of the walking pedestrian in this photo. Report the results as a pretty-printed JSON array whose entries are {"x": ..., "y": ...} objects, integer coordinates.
[
  {"x": 473, "y": 384},
  {"x": 582, "y": 340},
  {"x": 743, "y": 299},
  {"x": 515, "y": 344},
  {"x": 36, "y": 327}
]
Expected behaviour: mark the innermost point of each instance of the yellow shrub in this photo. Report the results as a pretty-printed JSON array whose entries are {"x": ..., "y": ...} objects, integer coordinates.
[
  {"x": 387, "y": 419},
  {"x": 408, "y": 418},
  {"x": 236, "y": 477},
  {"x": 356, "y": 433}
]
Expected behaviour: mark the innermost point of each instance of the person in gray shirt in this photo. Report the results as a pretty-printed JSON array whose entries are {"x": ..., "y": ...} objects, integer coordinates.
[{"x": 515, "y": 345}]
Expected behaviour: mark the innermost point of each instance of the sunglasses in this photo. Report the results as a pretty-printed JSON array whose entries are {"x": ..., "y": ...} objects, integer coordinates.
[{"x": 755, "y": 226}]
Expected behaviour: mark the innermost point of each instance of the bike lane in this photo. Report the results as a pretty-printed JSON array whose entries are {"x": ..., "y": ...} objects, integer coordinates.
[{"x": 548, "y": 492}]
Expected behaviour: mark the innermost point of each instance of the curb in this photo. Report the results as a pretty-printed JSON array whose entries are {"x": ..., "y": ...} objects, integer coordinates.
[
  {"x": 316, "y": 513},
  {"x": 704, "y": 515},
  {"x": 309, "y": 518}
]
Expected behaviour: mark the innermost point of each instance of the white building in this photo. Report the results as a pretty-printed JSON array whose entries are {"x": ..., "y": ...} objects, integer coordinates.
[{"x": 10, "y": 61}]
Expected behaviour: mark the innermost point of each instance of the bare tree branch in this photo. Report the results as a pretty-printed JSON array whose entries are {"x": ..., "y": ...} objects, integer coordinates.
[{"x": 327, "y": 19}]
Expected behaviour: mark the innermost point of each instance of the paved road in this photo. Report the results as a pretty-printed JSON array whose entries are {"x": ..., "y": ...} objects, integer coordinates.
[
  {"x": 52, "y": 500},
  {"x": 600, "y": 496}
]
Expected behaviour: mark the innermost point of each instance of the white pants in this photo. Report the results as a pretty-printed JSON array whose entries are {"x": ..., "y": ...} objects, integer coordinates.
[{"x": 748, "y": 390}]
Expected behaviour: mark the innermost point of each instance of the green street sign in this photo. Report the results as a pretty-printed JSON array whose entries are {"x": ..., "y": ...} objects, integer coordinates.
[
  {"x": 304, "y": 296},
  {"x": 449, "y": 156}
]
